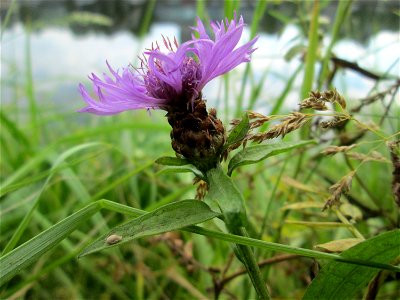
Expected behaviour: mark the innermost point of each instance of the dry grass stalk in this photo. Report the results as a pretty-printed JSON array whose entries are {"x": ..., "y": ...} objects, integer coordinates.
[
  {"x": 257, "y": 119},
  {"x": 314, "y": 104},
  {"x": 339, "y": 188},
  {"x": 317, "y": 100},
  {"x": 379, "y": 96},
  {"x": 331, "y": 150},
  {"x": 369, "y": 125},
  {"x": 333, "y": 96},
  {"x": 337, "y": 121},
  {"x": 292, "y": 122},
  {"x": 373, "y": 156}
]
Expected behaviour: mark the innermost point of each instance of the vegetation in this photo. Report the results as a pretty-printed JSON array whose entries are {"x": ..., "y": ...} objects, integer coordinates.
[{"x": 323, "y": 214}]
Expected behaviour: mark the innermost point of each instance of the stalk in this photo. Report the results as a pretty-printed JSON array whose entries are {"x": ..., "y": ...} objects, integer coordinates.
[
  {"x": 251, "y": 265},
  {"x": 223, "y": 191}
]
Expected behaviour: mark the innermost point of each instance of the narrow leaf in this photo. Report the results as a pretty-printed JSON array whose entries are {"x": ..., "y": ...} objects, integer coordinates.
[
  {"x": 343, "y": 281},
  {"x": 255, "y": 154},
  {"x": 13, "y": 262},
  {"x": 181, "y": 169},
  {"x": 172, "y": 161},
  {"x": 13, "y": 241},
  {"x": 239, "y": 132},
  {"x": 169, "y": 217}
]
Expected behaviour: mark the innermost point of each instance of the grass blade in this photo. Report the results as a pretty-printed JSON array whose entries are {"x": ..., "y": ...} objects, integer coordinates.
[
  {"x": 24, "y": 223},
  {"x": 311, "y": 56},
  {"x": 13, "y": 262},
  {"x": 342, "y": 10}
]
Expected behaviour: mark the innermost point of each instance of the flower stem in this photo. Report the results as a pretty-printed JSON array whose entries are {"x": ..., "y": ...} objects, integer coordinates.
[
  {"x": 249, "y": 261},
  {"x": 223, "y": 191}
]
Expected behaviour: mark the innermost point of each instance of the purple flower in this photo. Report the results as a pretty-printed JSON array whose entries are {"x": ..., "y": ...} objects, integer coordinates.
[{"x": 172, "y": 79}]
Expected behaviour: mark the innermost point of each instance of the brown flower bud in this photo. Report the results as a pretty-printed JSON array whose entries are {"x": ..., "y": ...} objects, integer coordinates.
[{"x": 196, "y": 134}]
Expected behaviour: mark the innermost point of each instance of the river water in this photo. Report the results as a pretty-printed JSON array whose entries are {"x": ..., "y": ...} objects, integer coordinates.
[{"x": 70, "y": 39}]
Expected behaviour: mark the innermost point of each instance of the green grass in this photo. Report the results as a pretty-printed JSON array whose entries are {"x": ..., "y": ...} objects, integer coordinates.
[{"x": 55, "y": 164}]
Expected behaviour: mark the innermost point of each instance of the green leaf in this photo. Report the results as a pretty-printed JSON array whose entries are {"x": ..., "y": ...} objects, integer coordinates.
[
  {"x": 13, "y": 262},
  {"x": 255, "y": 154},
  {"x": 13, "y": 241},
  {"x": 239, "y": 132},
  {"x": 169, "y": 217},
  {"x": 295, "y": 50},
  {"x": 343, "y": 281},
  {"x": 223, "y": 191},
  {"x": 181, "y": 169},
  {"x": 172, "y": 161}
]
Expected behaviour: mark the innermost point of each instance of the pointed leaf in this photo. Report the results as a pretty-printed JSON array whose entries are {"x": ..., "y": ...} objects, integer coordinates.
[
  {"x": 169, "y": 217},
  {"x": 14, "y": 261},
  {"x": 181, "y": 169},
  {"x": 223, "y": 191},
  {"x": 172, "y": 161},
  {"x": 342, "y": 281},
  {"x": 239, "y": 132},
  {"x": 254, "y": 154}
]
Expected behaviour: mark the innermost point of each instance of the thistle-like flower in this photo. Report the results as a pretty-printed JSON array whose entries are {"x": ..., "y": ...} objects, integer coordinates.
[{"x": 173, "y": 81}]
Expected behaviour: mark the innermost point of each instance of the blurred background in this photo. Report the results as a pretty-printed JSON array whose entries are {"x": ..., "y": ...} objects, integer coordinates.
[
  {"x": 55, "y": 161},
  {"x": 70, "y": 39}
]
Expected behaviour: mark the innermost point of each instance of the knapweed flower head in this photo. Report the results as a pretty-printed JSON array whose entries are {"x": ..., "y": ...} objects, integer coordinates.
[{"x": 173, "y": 79}]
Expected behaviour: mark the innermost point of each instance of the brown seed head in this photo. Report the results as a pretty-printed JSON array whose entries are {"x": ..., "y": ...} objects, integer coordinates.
[{"x": 341, "y": 187}]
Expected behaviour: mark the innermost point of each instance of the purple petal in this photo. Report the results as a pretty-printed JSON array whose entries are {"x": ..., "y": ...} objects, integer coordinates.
[
  {"x": 200, "y": 29},
  {"x": 233, "y": 59},
  {"x": 220, "y": 56},
  {"x": 164, "y": 78},
  {"x": 126, "y": 92},
  {"x": 170, "y": 69}
]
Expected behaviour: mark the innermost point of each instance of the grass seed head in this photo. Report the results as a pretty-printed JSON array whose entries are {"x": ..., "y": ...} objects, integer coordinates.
[
  {"x": 331, "y": 150},
  {"x": 290, "y": 123},
  {"x": 343, "y": 186},
  {"x": 373, "y": 156},
  {"x": 317, "y": 100},
  {"x": 337, "y": 121}
]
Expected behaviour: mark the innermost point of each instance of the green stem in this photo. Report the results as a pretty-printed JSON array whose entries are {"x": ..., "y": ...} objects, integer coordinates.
[
  {"x": 311, "y": 56},
  {"x": 341, "y": 13},
  {"x": 251, "y": 265},
  {"x": 223, "y": 191},
  {"x": 13, "y": 262}
]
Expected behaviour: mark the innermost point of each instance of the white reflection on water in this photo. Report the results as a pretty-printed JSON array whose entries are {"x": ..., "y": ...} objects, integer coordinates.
[{"x": 60, "y": 60}]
